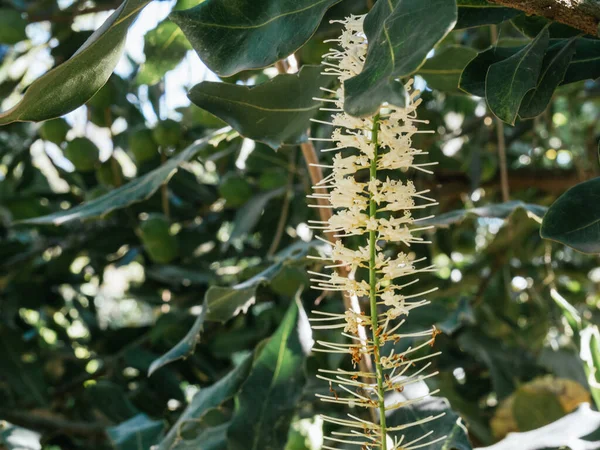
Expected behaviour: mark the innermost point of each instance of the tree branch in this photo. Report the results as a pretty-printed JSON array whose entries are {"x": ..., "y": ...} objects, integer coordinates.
[
  {"x": 38, "y": 422},
  {"x": 568, "y": 12}
]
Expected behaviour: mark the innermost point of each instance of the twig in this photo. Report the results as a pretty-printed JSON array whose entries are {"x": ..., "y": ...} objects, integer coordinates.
[
  {"x": 285, "y": 208},
  {"x": 36, "y": 422}
]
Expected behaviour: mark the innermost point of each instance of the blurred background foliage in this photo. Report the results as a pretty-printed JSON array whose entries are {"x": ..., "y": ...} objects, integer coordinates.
[{"x": 151, "y": 255}]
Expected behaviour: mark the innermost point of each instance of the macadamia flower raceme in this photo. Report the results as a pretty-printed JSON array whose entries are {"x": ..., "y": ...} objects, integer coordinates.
[{"x": 378, "y": 210}]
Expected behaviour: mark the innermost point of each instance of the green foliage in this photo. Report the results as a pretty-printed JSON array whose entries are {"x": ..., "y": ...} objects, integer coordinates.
[
  {"x": 232, "y": 36},
  {"x": 159, "y": 301}
]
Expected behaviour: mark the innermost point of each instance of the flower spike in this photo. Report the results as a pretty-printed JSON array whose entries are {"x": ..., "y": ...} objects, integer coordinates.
[{"x": 378, "y": 210}]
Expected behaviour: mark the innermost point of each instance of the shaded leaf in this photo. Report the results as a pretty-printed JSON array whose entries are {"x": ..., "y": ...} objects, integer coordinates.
[
  {"x": 475, "y": 13},
  {"x": 269, "y": 397},
  {"x": 235, "y": 35},
  {"x": 401, "y": 33},
  {"x": 574, "y": 218},
  {"x": 135, "y": 191},
  {"x": 223, "y": 303},
  {"x": 207, "y": 398},
  {"x": 138, "y": 433},
  {"x": 74, "y": 82},
  {"x": 111, "y": 400},
  {"x": 472, "y": 79},
  {"x": 497, "y": 210},
  {"x": 442, "y": 71},
  {"x": 176, "y": 275},
  {"x": 508, "y": 81},
  {"x": 450, "y": 425},
  {"x": 531, "y": 25},
  {"x": 585, "y": 64},
  {"x": 185, "y": 347},
  {"x": 248, "y": 215},
  {"x": 554, "y": 67},
  {"x": 565, "y": 432},
  {"x": 164, "y": 46},
  {"x": 213, "y": 438},
  {"x": 276, "y": 112}
]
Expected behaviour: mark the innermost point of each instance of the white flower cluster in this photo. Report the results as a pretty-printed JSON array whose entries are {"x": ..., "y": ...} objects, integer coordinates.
[{"x": 381, "y": 210}]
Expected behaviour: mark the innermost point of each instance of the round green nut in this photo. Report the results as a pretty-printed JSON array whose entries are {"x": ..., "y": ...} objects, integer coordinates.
[
  {"x": 105, "y": 173},
  {"x": 54, "y": 131},
  {"x": 272, "y": 178},
  {"x": 235, "y": 189},
  {"x": 83, "y": 153},
  {"x": 143, "y": 146},
  {"x": 167, "y": 133},
  {"x": 160, "y": 245}
]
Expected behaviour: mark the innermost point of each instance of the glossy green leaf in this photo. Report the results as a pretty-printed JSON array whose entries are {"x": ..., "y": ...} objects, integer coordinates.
[
  {"x": 568, "y": 431},
  {"x": 498, "y": 211},
  {"x": 472, "y": 79},
  {"x": 475, "y": 13},
  {"x": 555, "y": 65},
  {"x": 203, "y": 401},
  {"x": 138, "y": 433},
  {"x": 226, "y": 302},
  {"x": 269, "y": 397},
  {"x": 276, "y": 112},
  {"x": 401, "y": 33},
  {"x": 164, "y": 46},
  {"x": 185, "y": 347},
  {"x": 235, "y": 35},
  {"x": 531, "y": 26},
  {"x": 74, "y": 82},
  {"x": 508, "y": 81},
  {"x": 574, "y": 218},
  {"x": 442, "y": 71},
  {"x": 585, "y": 64},
  {"x": 135, "y": 191}
]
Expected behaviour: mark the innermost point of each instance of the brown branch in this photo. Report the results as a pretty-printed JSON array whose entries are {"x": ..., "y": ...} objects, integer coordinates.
[{"x": 567, "y": 12}]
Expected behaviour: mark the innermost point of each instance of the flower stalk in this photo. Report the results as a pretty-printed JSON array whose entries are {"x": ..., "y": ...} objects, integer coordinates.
[{"x": 378, "y": 211}]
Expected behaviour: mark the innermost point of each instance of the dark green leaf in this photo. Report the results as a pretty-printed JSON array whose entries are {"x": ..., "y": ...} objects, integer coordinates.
[
  {"x": 442, "y": 71},
  {"x": 164, "y": 46},
  {"x": 574, "y": 219},
  {"x": 135, "y": 191},
  {"x": 565, "y": 432},
  {"x": 472, "y": 80},
  {"x": 508, "y": 81},
  {"x": 450, "y": 425},
  {"x": 269, "y": 397},
  {"x": 401, "y": 33},
  {"x": 585, "y": 65},
  {"x": 276, "y": 112},
  {"x": 475, "y": 13},
  {"x": 531, "y": 26},
  {"x": 554, "y": 67},
  {"x": 110, "y": 399},
  {"x": 138, "y": 433},
  {"x": 497, "y": 210},
  {"x": 248, "y": 215},
  {"x": 179, "y": 275},
  {"x": 214, "y": 438},
  {"x": 74, "y": 82},
  {"x": 235, "y": 35},
  {"x": 185, "y": 347},
  {"x": 226, "y": 302},
  {"x": 207, "y": 398}
]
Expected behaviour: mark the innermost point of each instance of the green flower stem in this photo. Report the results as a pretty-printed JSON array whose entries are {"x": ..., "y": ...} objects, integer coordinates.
[{"x": 373, "y": 291}]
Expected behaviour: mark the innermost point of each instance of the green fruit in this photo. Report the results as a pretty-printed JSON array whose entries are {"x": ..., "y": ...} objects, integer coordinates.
[
  {"x": 142, "y": 145},
  {"x": 167, "y": 133},
  {"x": 54, "y": 130},
  {"x": 288, "y": 281},
  {"x": 105, "y": 173},
  {"x": 235, "y": 190},
  {"x": 272, "y": 179},
  {"x": 158, "y": 241},
  {"x": 83, "y": 153},
  {"x": 12, "y": 26}
]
